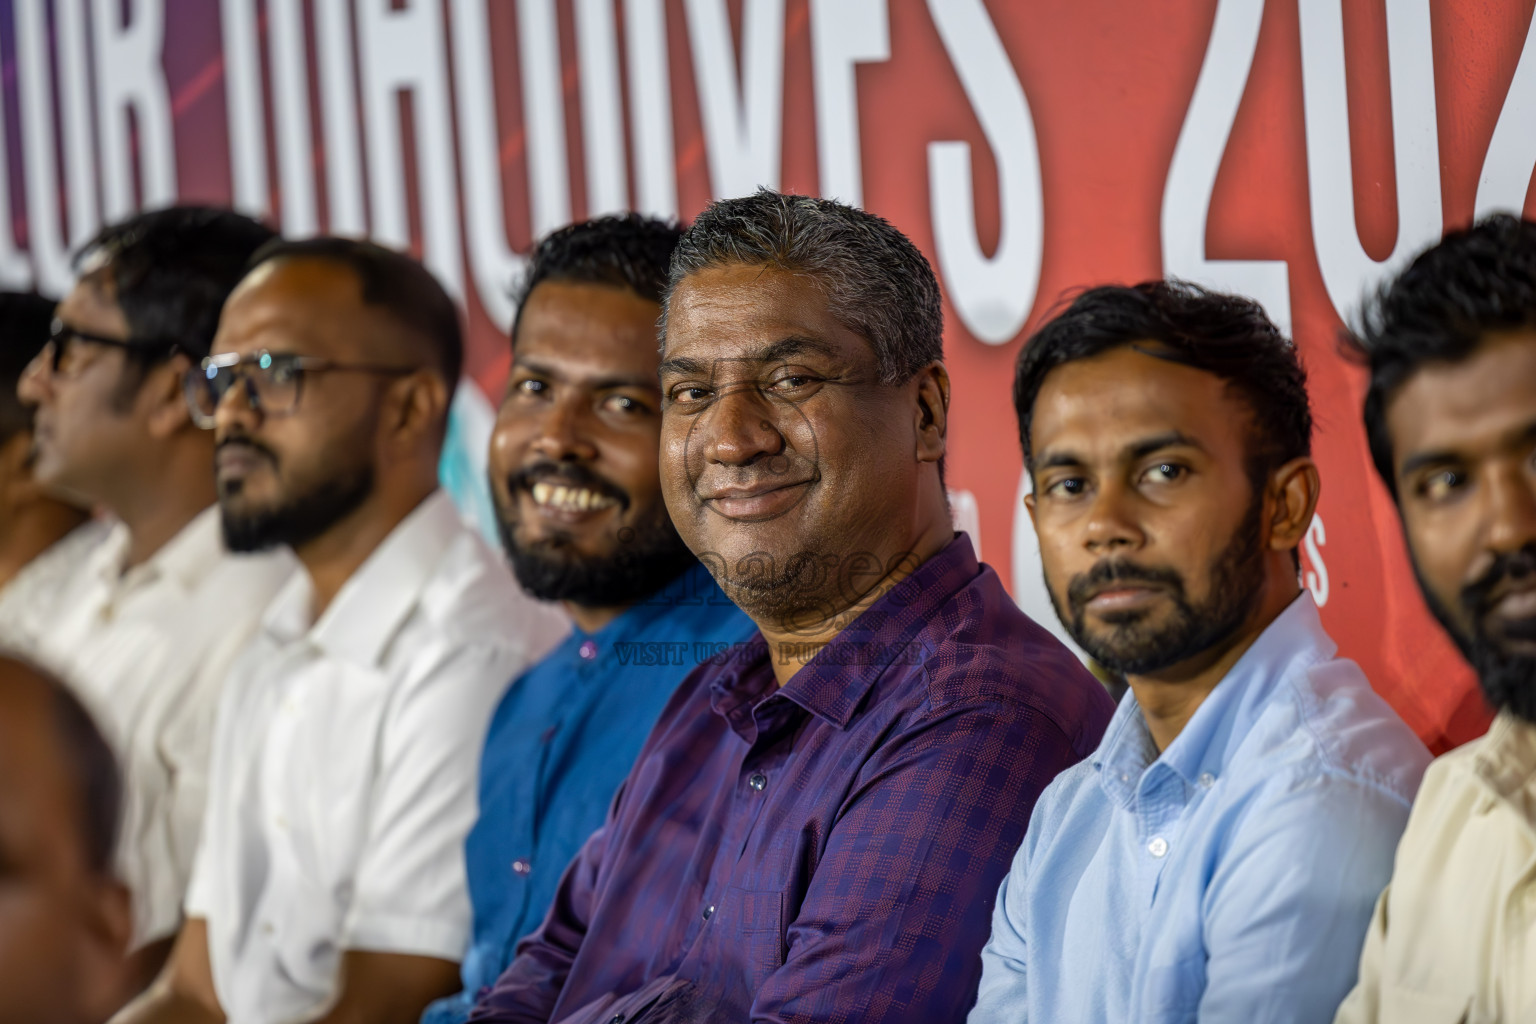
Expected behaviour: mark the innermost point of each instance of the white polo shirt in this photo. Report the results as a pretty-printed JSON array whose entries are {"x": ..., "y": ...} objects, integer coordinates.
[
  {"x": 148, "y": 650},
  {"x": 345, "y": 767},
  {"x": 30, "y": 601}
]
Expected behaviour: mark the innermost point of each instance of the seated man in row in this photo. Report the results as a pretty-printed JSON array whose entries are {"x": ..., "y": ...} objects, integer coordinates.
[
  {"x": 329, "y": 884},
  {"x": 575, "y": 478},
  {"x": 65, "y": 922},
  {"x": 815, "y": 827},
  {"x": 43, "y": 539},
  {"x": 1217, "y": 857},
  {"x": 1451, "y": 418},
  {"x": 147, "y": 629}
]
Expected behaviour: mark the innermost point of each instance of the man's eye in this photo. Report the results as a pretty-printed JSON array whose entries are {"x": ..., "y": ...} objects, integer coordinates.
[
  {"x": 792, "y": 382},
  {"x": 688, "y": 394},
  {"x": 623, "y": 403},
  {"x": 1442, "y": 484},
  {"x": 1165, "y": 472},
  {"x": 1070, "y": 487},
  {"x": 531, "y": 386}
]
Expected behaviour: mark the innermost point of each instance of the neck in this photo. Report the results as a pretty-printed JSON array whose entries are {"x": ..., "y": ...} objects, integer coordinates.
[
  {"x": 792, "y": 644},
  {"x": 340, "y": 551},
  {"x": 589, "y": 619},
  {"x": 1169, "y": 699},
  {"x": 159, "y": 497},
  {"x": 32, "y": 529}
]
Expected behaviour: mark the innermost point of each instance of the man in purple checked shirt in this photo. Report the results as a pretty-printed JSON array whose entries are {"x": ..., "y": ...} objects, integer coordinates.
[{"x": 817, "y": 826}]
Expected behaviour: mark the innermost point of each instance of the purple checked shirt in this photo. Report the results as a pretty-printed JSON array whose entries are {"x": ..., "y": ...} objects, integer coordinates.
[{"x": 825, "y": 851}]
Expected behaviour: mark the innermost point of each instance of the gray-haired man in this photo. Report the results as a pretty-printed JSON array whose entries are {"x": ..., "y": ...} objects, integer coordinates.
[{"x": 816, "y": 825}]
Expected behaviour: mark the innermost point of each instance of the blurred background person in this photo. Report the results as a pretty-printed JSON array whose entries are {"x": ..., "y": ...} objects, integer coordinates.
[
  {"x": 330, "y": 882},
  {"x": 43, "y": 540},
  {"x": 575, "y": 478},
  {"x": 147, "y": 629},
  {"x": 1450, "y": 414},
  {"x": 64, "y": 915}
]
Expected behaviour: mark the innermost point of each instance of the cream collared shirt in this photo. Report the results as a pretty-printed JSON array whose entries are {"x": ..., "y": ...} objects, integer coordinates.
[
  {"x": 1453, "y": 938},
  {"x": 147, "y": 650},
  {"x": 345, "y": 767}
]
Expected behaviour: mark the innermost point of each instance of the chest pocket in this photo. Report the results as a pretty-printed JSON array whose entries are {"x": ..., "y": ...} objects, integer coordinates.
[{"x": 758, "y": 918}]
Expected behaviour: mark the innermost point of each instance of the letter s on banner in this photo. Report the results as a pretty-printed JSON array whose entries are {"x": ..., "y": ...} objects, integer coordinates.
[
  {"x": 1197, "y": 159},
  {"x": 992, "y": 296},
  {"x": 1348, "y": 271},
  {"x": 1316, "y": 577}
]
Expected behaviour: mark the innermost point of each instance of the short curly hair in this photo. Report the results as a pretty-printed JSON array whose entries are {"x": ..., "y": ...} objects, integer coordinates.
[{"x": 1438, "y": 310}]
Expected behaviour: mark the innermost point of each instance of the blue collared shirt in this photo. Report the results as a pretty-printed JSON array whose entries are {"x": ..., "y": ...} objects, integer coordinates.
[
  {"x": 1230, "y": 879},
  {"x": 560, "y": 744}
]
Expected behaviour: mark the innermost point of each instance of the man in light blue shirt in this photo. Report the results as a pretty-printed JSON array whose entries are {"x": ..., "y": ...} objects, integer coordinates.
[{"x": 1217, "y": 858}]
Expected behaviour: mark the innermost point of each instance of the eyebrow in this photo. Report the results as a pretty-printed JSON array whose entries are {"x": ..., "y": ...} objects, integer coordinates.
[
  {"x": 1137, "y": 450},
  {"x": 1414, "y": 463},
  {"x": 777, "y": 351}
]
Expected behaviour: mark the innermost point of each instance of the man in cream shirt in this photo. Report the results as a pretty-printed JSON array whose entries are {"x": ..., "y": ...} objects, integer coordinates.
[
  {"x": 1451, "y": 418},
  {"x": 330, "y": 884},
  {"x": 146, "y": 628}
]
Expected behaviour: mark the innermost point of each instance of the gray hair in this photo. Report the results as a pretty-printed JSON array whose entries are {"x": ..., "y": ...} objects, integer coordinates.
[{"x": 877, "y": 283}]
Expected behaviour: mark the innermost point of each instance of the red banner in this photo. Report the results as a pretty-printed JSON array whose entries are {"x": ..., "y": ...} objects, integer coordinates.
[{"x": 1297, "y": 151}]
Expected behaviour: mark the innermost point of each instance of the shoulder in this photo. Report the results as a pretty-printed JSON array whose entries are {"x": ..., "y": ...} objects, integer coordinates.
[
  {"x": 1327, "y": 725},
  {"x": 471, "y": 598},
  {"x": 982, "y": 648}
]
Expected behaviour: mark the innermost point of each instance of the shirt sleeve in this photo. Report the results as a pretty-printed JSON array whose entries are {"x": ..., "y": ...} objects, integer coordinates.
[
  {"x": 1290, "y": 902},
  {"x": 411, "y": 890},
  {"x": 1002, "y": 997},
  {"x": 527, "y": 991},
  {"x": 1361, "y": 1006},
  {"x": 892, "y": 925}
]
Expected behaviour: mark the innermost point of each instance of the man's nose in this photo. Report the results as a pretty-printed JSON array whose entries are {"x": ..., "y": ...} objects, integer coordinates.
[
  {"x": 740, "y": 427},
  {"x": 1110, "y": 526},
  {"x": 238, "y": 406},
  {"x": 561, "y": 437},
  {"x": 1512, "y": 509},
  {"x": 35, "y": 385}
]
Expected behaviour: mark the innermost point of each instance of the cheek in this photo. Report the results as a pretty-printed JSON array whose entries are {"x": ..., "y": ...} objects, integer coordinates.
[
  {"x": 510, "y": 439},
  {"x": 678, "y": 465},
  {"x": 1443, "y": 548}
]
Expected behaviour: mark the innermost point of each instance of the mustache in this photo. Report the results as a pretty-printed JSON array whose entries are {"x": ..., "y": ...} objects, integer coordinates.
[
  {"x": 246, "y": 441},
  {"x": 1085, "y": 585},
  {"x": 566, "y": 475},
  {"x": 1477, "y": 597}
]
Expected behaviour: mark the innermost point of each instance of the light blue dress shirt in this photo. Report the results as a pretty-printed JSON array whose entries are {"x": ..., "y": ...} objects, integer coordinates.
[{"x": 1229, "y": 880}]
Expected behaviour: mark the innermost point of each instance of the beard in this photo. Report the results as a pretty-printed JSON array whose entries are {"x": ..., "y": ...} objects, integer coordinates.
[
  {"x": 649, "y": 556},
  {"x": 297, "y": 519},
  {"x": 798, "y": 598},
  {"x": 1135, "y": 647},
  {"x": 1506, "y": 677}
]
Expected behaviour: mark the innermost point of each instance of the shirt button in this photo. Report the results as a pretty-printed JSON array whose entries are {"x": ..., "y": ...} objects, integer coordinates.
[
  {"x": 522, "y": 866},
  {"x": 617, "y": 1018},
  {"x": 588, "y": 650},
  {"x": 758, "y": 781},
  {"x": 266, "y": 928},
  {"x": 1158, "y": 847},
  {"x": 709, "y": 912},
  {"x": 1207, "y": 780}
]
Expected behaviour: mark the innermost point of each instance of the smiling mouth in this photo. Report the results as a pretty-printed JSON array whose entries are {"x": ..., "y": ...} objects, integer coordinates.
[
  {"x": 562, "y": 498},
  {"x": 756, "y": 504}
]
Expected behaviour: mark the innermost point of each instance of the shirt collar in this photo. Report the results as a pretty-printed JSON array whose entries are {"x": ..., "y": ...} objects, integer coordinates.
[
  {"x": 1218, "y": 727},
  {"x": 1506, "y": 763},
  {"x": 372, "y": 605},
  {"x": 186, "y": 558},
  {"x": 834, "y": 683}
]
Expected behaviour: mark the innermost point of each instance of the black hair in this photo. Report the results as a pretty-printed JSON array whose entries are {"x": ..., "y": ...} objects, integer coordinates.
[
  {"x": 625, "y": 250},
  {"x": 1227, "y": 336},
  {"x": 1439, "y": 310},
  {"x": 407, "y": 291},
  {"x": 172, "y": 270},
  {"x": 878, "y": 284},
  {"x": 25, "y": 321}
]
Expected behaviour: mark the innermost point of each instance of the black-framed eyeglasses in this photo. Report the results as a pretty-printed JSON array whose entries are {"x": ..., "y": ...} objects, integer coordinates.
[
  {"x": 61, "y": 339},
  {"x": 272, "y": 381}
]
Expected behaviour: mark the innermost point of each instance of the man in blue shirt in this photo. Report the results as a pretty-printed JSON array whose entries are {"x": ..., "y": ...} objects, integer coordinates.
[
  {"x": 1217, "y": 857},
  {"x": 574, "y": 473}
]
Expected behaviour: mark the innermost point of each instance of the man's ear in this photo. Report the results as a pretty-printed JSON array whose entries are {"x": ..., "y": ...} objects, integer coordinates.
[
  {"x": 931, "y": 387},
  {"x": 165, "y": 399},
  {"x": 418, "y": 404},
  {"x": 1293, "y": 492}
]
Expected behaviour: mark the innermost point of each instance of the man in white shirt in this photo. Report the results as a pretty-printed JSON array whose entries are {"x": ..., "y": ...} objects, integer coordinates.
[
  {"x": 145, "y": 631},
  {"x": 42, "y": 540},
  {"x": 330, "y": 884}
]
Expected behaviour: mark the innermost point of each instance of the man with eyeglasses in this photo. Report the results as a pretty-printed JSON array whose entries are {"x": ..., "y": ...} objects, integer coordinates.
[
  {"x": 43, "y": 540},
  {"x": 146, "y": 630},
  {"x": 330, "y": 882}
]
